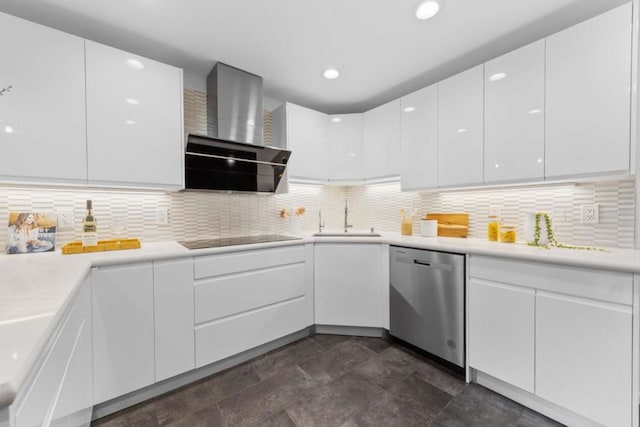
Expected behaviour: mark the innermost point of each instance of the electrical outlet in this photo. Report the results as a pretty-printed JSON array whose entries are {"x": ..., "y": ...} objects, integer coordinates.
[
  {"x": 162, "y": 216},
  {"x": 65, "y": 220},
  {"x": 589, "y": 214},
  {"x": 495, "y": 211}
]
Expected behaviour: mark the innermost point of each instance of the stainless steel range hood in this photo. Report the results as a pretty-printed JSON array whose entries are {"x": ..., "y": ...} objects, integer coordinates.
[
  {"x": 232, "y": 157},
  {"x": 234, "y": 105}
]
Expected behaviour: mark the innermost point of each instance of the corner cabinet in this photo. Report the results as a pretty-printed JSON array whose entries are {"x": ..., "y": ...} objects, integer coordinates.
[
  {"x": 419, "y": 139},
  {"x": 134, "y": 120},
  {"x": 588, "y": 96},
  {"x": 346, "y": 147},
  {"x": 460, "y": 129},
  {"x": 514, "y": 116},
  {"x": 349, "y": 282},
  {"x": 382, "y": 141},
  {"x": 42, "y": 104}
]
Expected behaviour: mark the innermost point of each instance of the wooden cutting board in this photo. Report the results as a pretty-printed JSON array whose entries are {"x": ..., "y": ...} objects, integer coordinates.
[{"x": 451, "y": 224}]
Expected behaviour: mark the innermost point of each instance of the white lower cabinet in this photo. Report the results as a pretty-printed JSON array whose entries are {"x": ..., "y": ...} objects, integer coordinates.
[
  {"x": 570, "y": 326},
  {"x": 173, "y": 317},
  {"x": 123, "y": 330},
  {"x": 61, "y": 391},
  {"x": 501, "y": 336},
  {"x": 349, "y": 282},
  {"x": 583, "y": 357},
  {"x": 246, "y": 299}
]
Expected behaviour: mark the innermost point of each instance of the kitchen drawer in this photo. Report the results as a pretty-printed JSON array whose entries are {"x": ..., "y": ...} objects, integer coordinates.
[
  {"x": 600, "y": 285},
  {"x": 236, "y": 293},
  {"x": 218, "y": 265},
  {"x": 233, "y": 335}
]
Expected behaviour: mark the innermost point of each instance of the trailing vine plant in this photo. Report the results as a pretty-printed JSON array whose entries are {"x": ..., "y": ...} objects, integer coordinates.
[{"x": 552, "y": 240}]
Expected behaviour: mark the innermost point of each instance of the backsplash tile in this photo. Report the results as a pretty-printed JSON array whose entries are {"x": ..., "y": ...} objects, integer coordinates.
[{"x": 195, "y": 215}]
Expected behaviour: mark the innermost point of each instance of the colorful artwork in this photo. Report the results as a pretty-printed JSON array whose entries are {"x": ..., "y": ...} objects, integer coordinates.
[{"x": 31, "y": 232}]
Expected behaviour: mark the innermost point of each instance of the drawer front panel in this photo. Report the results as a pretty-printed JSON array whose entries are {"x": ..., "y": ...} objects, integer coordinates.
[
  {"x": 601, "y": 285},
  {"x": 228, "y": 295},
  {"x": 217, "y": 340},
  {"x": 218, "y": 265}
]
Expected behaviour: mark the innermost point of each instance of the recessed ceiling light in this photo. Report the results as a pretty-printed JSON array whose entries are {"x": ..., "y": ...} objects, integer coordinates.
[
  {"x": 131, "y": 101},
  {"x": 130, "y": 122},
  {"x": 135, "y": 64},
  {"x": 428, "y": 9},
  {"x": 539, "y": 160},
  {"x": 331, "y": 73},
  {"x": 409, "y": 109},
  {"x": 535, "y": 111},
  {"x": 352, "y": 154},
  {"x": 336, "y": 119},
  {"x": 497, "y": 76},
  {"x": 497, "y": 165},
  {"x": 251, "y": 122},
  {"x": 461, "y": 130},
  {"x": 8, "y": 129}
]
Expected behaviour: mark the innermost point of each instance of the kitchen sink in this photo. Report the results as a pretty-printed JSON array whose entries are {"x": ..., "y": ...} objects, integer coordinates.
[{"x": 347, "y": 234}]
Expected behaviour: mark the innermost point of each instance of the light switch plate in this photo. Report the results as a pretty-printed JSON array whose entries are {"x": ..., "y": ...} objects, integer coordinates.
[
  {"x": 162, "y": 216},
  {"x": 65, "y": 220}
]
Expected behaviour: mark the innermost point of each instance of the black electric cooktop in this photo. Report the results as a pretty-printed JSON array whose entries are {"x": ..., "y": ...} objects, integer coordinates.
[{"x": 234, "y": 241}]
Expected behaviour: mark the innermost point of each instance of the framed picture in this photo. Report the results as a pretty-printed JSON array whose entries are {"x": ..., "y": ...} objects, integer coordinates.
[{"x": 31, "y": 232}]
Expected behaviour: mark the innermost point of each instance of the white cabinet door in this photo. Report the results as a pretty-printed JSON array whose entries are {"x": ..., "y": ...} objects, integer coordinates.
[
  {"x": 501, "y": 332},
  {"x": 382, "y": 141},
  {"x": 74, "y": 404},
  {"x": 348, "y": 284},
  {"x": 42, "y": 115},
  {"x": 307, "y": 138},
  {"x": 419, "y": 138},
  {"x": 583, "y": 357},
  {"x": 345, "y": 147},
  {"x": 123, "y": 337},
  {"x": 514, "y": 115},
  {"x": 173, "y": 315},
  {"x": 588, "y": 89},
  {"x": 134, "y": 120},
  {"x": 460, "y": 129}
]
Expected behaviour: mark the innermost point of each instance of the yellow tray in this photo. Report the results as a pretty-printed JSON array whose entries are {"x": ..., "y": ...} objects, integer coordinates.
[{"x": 103, "y": 245}]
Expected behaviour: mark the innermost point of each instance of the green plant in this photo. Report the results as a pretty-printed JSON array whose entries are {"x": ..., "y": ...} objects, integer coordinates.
[{"x": 551, "y": 237}]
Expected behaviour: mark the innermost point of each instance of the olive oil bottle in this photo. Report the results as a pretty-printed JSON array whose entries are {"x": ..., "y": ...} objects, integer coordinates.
[{"x": 89, "y": 227}]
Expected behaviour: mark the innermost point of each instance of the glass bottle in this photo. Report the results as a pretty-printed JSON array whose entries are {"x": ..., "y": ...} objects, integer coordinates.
[
  {"x": 89, "y": 227},
  {"x": 508, "y": 233},
  {"x": 493, "y": 228}
]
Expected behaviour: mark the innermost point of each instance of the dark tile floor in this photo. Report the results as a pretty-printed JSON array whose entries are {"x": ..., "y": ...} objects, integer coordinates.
[{"x": 331, "y": 380}]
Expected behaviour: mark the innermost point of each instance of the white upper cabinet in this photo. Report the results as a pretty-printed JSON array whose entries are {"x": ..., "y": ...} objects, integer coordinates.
[
  {"x": 134, "y": 120},
  {"x": 588, "y": 86},
  {"x": 514, "y": 115},
  {"x": 307, "y": 136},
  {"x": 419, "y": 139},
  {"x": 345, "y": 147},
  {"x": 42, "y": 104},
  {"x": 460, "y": 129},
  {"x": 382, "y": 141}
]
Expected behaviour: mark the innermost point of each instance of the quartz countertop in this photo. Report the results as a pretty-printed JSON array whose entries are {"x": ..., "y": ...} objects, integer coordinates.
[{"x": 36, "y": 289}]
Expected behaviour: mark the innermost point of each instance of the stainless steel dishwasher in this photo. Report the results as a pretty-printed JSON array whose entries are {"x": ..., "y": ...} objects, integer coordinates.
[{"x": 427, "y": 301}]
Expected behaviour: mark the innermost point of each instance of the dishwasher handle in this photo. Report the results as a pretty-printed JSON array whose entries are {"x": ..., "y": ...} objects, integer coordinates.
[{"x": 434, "y": 265}]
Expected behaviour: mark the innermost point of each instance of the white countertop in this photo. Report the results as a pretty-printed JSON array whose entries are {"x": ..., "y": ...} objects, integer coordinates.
[{"x": 35, "y": 289}]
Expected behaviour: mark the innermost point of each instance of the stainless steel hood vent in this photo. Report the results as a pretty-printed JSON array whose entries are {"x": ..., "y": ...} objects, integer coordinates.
[{"x": 234, "y": 105}]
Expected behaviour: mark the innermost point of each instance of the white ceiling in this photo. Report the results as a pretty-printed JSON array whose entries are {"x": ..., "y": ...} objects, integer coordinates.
[{"x": 381, "y": 50}]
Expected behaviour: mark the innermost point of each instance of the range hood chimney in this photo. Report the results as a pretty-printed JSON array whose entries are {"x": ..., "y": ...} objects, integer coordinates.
[{"x": 234, "y": 105}]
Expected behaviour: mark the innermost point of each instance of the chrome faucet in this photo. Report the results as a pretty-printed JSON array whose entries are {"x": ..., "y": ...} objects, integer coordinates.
[
  {"x": 320, "y": 221},
  {"x": 346, "y": 213}
]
